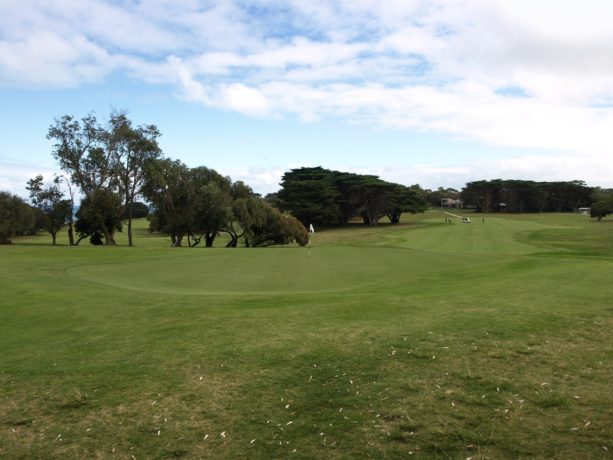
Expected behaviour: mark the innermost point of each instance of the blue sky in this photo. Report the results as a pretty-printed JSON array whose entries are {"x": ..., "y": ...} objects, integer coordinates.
[{"x": 431, "y": 92}]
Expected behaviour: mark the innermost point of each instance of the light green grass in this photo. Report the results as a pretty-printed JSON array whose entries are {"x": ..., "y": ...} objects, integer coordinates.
[{"x": 426, "y": 339}]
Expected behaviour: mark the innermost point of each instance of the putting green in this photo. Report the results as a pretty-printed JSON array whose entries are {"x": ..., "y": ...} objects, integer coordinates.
[{"x": 270, "y": 270}]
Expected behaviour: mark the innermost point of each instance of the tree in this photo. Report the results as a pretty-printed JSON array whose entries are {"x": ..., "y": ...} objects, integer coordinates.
[
  {"x": 435, "y": 197},
  {"x": 404, "y": 199},
  {"x": 373, "y": 194},
  {"x": 83, "y": 150},
  {"x": 99, "y": 212},
  {"x": 167, "y": 189},
  {"x": 310, "y": 195},
  {"x": 139, "y": 211},
  {"x": 110, "y": 158},
  {"x": 242, "y": 199},
  {"x": 132, "y": 148},
  {"x": 50, "y": 200},
  {"x": 16, "y": 217},
  {"x": 264, "y": 225},
  {"x": 193, "y": 203},
  {"x": 601, "y": 209},
  {"x": 212, "y": 201}
]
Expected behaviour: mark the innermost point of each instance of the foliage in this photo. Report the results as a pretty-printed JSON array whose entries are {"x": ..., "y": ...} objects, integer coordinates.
[
  {"x": 434, "y": 197},
  {"x": 192, "y": 203},
  {"x": 310, "y": 195},
  {"x": 131, "y": 147},
  {"x": 320, "y": 196},
  {"x": 264, "y": 225},
  {"x": 99, "y": 212},
  {"x": 601, "y": 209},
  {"x": 139, "y": 210},
  {"x": 16, "y": 217},
  {"x": 526, "y": 196},
  {"x": 49, "y": 199},
  {"x": 110, "y": 158}
]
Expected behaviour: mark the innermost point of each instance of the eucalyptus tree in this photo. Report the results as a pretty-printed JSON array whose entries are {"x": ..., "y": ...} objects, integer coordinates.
[
  {"x": 108, "y": 158},
  {"x": 188, "y": 203},
  {"x": 131, "y": 147},
  {"x": 49, "y": 198},
  {"x": 168, "y": 189},
  {"x": 82, "y": 151}
]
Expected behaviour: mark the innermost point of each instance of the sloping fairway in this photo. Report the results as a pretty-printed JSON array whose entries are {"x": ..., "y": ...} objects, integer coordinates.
[{"x": 421, "y": 340}]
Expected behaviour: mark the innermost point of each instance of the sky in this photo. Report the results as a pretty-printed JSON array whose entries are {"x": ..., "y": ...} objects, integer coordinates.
[{"x": 436, "y": 93}]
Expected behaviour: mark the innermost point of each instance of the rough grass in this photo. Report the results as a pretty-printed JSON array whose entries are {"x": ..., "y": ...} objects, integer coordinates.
[{"x": 426, "y": 339}]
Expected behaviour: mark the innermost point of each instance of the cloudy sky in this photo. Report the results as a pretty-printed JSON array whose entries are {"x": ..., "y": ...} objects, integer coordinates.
[{"x": 435, "y": 92}]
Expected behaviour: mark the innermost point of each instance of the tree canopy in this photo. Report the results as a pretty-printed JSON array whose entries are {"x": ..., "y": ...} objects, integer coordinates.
[
  {"x": 49, "y": 199},
  {"x": 16, "y": 217},
  {"x": 526, "y": 196},
  {"x": 321, "y": 196},
  {"x": 107, "y": 158}
]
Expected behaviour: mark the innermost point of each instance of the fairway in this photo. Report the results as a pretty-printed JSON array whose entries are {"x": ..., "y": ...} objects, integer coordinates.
[{"x": 425, "y": 339}]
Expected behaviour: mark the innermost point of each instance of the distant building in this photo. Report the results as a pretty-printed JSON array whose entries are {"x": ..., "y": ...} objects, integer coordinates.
[
  {"x": 451, "y": 203},
  {"x": 585, "y": 211}
]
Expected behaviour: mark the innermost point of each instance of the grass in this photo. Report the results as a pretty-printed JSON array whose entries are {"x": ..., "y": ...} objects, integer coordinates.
[{"x": 425, "y": 340}]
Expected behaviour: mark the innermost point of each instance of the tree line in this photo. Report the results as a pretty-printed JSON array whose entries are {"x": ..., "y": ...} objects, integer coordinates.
[
  {"x": 325, "y": 197},
  {"x": 112, "y": 165},
  {"x": 527, "y": 196}
]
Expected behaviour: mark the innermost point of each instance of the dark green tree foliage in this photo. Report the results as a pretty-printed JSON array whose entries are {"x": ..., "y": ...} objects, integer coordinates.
[
  {"x": 526, "y": 196},
  {"x": 373, "y": 198},
  {"x": 601, "y": 209},
  {"x": 194, "y": 203},
  {"x": 310, "y": 195},
  {"x": 169, "y": 190},
  {"x": 16, "y": 217},
  {"x": 139, "y": 211},
  {"x": 404, "y": 199},
  {"x": 321, "y": 196},
  {"x": 213, "y": 202},
  {"x": 49, "y": 199},
  {"x": 100, "y": 210},
  {"x": 602, "y": 203}
]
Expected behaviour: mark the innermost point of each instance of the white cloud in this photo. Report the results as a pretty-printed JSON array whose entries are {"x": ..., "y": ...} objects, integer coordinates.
[
  {"x": 243, "y": 99},
  {"x": 429, "y": 66},
  {"x": 14, "y": 177},
  {"x": 262, "y": 180}
]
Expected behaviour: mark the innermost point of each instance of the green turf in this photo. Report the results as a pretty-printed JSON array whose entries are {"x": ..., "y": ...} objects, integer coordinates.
[{"x": 426, "y": 339}]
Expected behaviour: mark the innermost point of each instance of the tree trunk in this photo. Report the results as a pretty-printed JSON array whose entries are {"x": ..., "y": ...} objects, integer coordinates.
[
  {"x": 70, "y": 234},
  {"x": 130, "y": 242},
  {"x": 53, "y": 234},
  {"x": 109, "y": 240}
]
